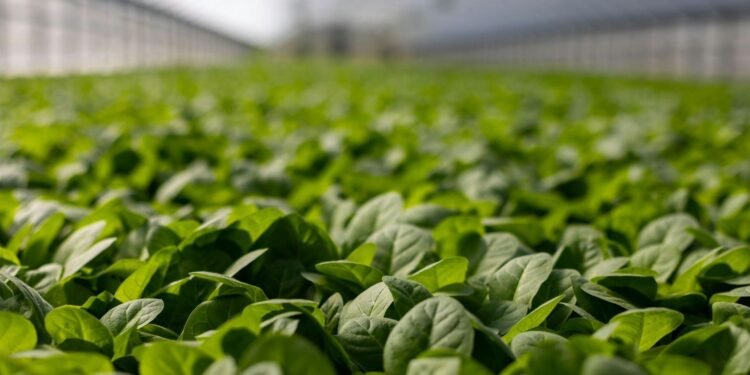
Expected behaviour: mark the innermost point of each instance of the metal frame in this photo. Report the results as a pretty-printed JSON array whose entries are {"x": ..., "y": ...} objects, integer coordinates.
[{"x": 73, "y": 36}]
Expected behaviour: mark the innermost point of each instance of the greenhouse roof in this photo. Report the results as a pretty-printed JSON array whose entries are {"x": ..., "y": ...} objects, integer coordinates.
[{"x": 455, "y": 22}]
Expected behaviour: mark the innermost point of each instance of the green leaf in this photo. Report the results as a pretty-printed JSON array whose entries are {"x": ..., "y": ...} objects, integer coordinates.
[
  {"x": 243, "y": 262},
  {"x": 730, "y": 267},
  {"x": 635, "y": 287},
  {"x": 525, "y": 341},
  {"x": 533, "y": 319},
  {"x": 687, "y": 281},
  {"x": 38, "y": 243},
  {"x": 292, "y": 237},
  {"x": 451, "y": 234},
  {"x": 258, "y": 222},
  {"x": 194, "y": 174},
  {"x": 739, "y": 358},
  {"x": 400, "y": 248},
  {"x": 528, "y": 230},
  {"x": 364, "y": 339},
  {"x": 373, "y": 302},
  {"x": 560, "y": 282},
  {"x": 295, "y": 355},
  {"x": 500, "y": 248},
  {"x": 253, "y": 292},
  {"x": 79, "y": 241},
  {"x": 581, "y": 251},
  {"x": 598, "y": 300},
  {"x": 670, "y": 229},
  {"x": 362, "y": 275},
  {"x": 425, "y": 215},
  {"x": 146, "y": 278},
  {"x": 661, "y": 258},
  {"x": 724, "y": 311},
  {"x": 171, "y": 358},
  {"x": 132, "y": 314},
  {"x": 223, "y": 366},
  {"x": 442, "y": 273},
  {"x": 67, "y": 363},
  {"x": 677, "y": 365},
  {"x": 294, "y": 246},
  {"x": 439, "y": 322},
  {"x": 68, "y": 325},
  {"x": 606, "y": 266},
  {"x": 604, "y": 365},
  {"x": 502, "y": 315},
  {"x": 372, "y": 216},
  {"x": 39, "y": 306},
  {"x": 263, "y": 368},
  {"x": 445, "y": 362},
  {"x": 489, "y": 348},
  {"x": 711, "y": 344},
  {"x": 233, "y": 335},
  {"x": 520, "y": 279},
  {"x": 17, "y": 334},
  {"x": 8, "y": 257},
  {"x": 79, "y": 260},
  {"x": 211, "y": 314},
  {"x": 643, "y": 328},
  {"x": 406, "y": 293},
  {"x": 332, "y": 308},
  {"x": 364, "y": 254}
]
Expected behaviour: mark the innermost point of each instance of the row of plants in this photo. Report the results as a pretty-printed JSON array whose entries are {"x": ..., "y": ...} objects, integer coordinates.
[{"x": 306, "y": 218}]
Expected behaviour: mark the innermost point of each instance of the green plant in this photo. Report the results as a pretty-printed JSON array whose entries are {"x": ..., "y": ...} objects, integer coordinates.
[{"x": 285, "y": 218}]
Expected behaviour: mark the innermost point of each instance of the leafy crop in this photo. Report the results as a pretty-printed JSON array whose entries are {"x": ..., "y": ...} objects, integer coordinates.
[{"x": 310, "y": 219}]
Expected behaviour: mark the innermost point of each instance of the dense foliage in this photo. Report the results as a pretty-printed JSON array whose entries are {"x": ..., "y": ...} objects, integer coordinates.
[{"x": 310, "y": 219}]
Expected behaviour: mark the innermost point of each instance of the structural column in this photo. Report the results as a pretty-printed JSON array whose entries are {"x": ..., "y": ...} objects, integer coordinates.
[{"x": 4, "y": 37}]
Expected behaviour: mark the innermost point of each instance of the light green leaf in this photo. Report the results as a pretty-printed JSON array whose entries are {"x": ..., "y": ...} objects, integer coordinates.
[
  {"x": 525, "y": 341},
  {"x": 243, "y": 262},
  {"x": 16, "y": 333},
  {"x": 364, "y": 339},
  {"x": 677, "y": 365},
  {"x": 739, "y": 358},
  {"x": 209, "y": 315},
  {"x": 520, "y": 279},
  {"x": 661, "y": 258},
  {"x": 80, "y": 260},
  {"x": 442, "y": 273},
  {"x": 643, "y": 328},
  {"x": 74, "y": 323},
  {"x": 604, "y": 365},
  {"x": 401, "y": 248},
  {"x": 670, "y": 229},
  {"x": 373, "y": 302},
  {"x": 132, "y": 314},
  {"x": 171, "y": 358},
  {"x": 439, "y": 322},
  {"x": 79, "y": 241},
  {"x": 723, "y": 311},
  {"x": 295, "y": 355},
  {"x": 372, "y": 216},
  {"x": 406, "y": 293},
  {"x": 253, "y": 292},
  {"x": 364, "y": 254},
  {"x": 501, "y": 247},
  {"x": 147, "y": 277},
  {"x": 533, "y": 319},
  {"x": 362, "y": 275},
  {"x": 263, "y": 368},
  {"x": 332, "y": 308},
  {"x": 39, "y": 306},
  {"x": 445, "y": 362}
]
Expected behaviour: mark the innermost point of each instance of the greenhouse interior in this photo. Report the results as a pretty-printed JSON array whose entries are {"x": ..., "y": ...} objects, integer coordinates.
[{"x": 320, "y": 187}]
